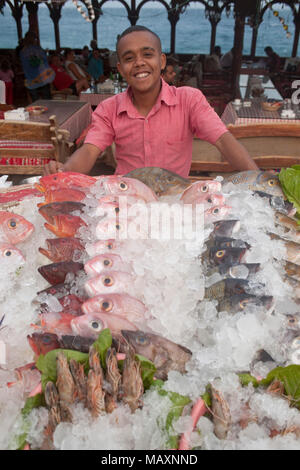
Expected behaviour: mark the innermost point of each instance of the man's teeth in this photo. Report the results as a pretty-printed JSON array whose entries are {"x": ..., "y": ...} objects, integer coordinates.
[{"x": 142, "y": 75}]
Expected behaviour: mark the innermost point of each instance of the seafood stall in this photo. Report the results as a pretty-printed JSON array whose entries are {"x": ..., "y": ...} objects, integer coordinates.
[{"x": 147, "y": 311}]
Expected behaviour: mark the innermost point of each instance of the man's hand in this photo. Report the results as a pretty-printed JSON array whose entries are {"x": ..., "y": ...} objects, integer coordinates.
[{"x": 53, "y": 167}]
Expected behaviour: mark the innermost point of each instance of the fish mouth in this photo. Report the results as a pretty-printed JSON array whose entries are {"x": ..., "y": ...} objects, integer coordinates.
[
  {"x": 40, "y": 187},
  {"x": 45, "y": 252}
]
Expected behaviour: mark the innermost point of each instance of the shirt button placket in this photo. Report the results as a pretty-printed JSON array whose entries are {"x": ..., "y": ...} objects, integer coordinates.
[{"x": 147, "y": 146}]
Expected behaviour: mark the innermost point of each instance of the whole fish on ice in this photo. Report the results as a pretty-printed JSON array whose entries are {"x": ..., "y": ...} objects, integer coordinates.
[
  {"x": 99, "y": 263},
  {"x": 165, "y": 354},
  {"x": 120, "y": 185},
  {"x": 65, "y": 225},
  {"x": 63, "y": 249},
  {"x": 162, "y": 182},
  {"x": 49, "y": 211},
  {"x": 116, "y": 304},
  {"x": 109, "y": 282},
  {"x": 10, "y": 252},
  {"x": 56, "y": 273},
  {"x": 63, "y": 180},
  {"x": 91, "y": 325}
]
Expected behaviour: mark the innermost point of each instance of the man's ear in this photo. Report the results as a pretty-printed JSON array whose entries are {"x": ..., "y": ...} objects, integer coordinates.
[
  {"x": 163, "y": 59},
  {"x": 119, "y": 67}
]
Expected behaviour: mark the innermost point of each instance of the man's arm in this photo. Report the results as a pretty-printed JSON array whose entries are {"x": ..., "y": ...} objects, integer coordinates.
[
  {"x": 81, "y": 161},
  {"x": 235, "y": 153}
]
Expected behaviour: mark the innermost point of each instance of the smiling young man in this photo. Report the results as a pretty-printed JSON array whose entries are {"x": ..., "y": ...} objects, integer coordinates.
[{"x": 152, "y": 123}]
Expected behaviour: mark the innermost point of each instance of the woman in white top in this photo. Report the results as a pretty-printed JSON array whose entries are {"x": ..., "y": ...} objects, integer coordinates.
[{"x": 73, "y": 69}]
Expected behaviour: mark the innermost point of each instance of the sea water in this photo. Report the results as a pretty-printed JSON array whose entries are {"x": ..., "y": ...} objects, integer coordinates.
[{"x": 193, "y": 30}]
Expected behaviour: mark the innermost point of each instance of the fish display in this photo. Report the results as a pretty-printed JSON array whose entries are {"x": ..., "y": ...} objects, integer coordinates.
[
  {"x": 14, "y": 228},
  {"x": 198, "y": 315}
]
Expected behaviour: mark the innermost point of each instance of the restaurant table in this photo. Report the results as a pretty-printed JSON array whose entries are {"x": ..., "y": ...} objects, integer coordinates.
[
  {"x": 94, "y": 98},
  {"x": 73, "y": 116},
  {"x": 254, "y": 114}
]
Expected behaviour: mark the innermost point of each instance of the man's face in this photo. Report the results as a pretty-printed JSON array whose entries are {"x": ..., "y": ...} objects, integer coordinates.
[
  {"x": 140, "y": 60},
  {"x": 169, "y": 74}
]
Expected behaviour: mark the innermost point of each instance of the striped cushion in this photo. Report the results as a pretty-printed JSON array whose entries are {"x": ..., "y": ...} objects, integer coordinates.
[
  {"x": 24, "y": 161},
  {"x": 20, "y": 144}
]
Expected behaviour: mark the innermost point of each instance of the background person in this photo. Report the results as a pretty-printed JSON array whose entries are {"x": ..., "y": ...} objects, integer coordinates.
[
  {"x": 273, "y": 61},
  {"x": 95, "y": 66},
  {"x": 73, "y": 69},
  {"x": 169, "y": 74},
  {"x": 63, "y": 80},
  {"x": 152, "y": 123},
  {"x": 7, "y": 76},
  {"x": 38, "y": 73}
]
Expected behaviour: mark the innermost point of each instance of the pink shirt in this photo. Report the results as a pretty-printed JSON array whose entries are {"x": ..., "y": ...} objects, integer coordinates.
[{"x": 164, "y": 137}]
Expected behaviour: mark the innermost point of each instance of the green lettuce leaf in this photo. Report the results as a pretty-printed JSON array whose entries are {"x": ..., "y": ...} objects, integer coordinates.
[
  {"x": 290, "y": 377},
  {"x": 290, "y": 182},
  {"x": 19, "y": 440},
  {"x": 102, "y": 344},
  {"x": 246, "y": 379},
  {"x": 178, "y": 402},
  {"x": 47, "y": 363}
]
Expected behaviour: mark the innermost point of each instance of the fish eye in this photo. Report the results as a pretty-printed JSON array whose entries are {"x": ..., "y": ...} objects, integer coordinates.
[
  {"x": 108, "y": 281},
  {"x": 217, "y": 226},
  {"x": 204, "y": 188},
  {"x": 46, "y": 339},
  {"x": 107, "y": 262},
  {"x": 272, "y": 182},
  {"x": 216, "y": 210},
  {"x": 13, "y": 223},
  {"x": 118, "y": 227},
  {"x": 243, "y": 303},
  {"x": 209, "y": 200},
  {"x": 142, "y": 340},
  {"x": 123, "y": 186},
  {"x": 110, "y": 246},
  {"x": 117, "y": 210},
  {"x": 7, "y": 253},
  {"x": 96, "y": 325},
  {"x": 106, "y": 306},
  {"x": 220, "y": 253},
  {"x": 292, "y": 320}
]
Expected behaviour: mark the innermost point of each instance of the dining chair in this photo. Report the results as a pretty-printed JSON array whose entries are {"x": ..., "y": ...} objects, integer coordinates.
[
  {"x": 271, "y": 145},
  {"x": 26, "y": 146}
]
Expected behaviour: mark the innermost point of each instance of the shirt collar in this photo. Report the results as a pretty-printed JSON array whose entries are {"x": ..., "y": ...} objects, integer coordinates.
[{"x": 167, "y": 95}]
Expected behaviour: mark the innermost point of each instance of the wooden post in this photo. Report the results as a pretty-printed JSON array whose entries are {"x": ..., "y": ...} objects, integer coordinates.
[
  {"x": 33, "y": 20},
  {"x": 296, "y": 36},
  {"x": 55, "y": 15},
  {"x": 239, "y": 29},
  {"x": 213, "y": 35},
  {"x": 17, "y": 13},
  {"x": 254, "y": 41}
]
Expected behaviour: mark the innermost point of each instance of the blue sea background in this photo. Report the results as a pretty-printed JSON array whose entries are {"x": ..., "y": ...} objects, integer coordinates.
[{"x": 192, "y": 32}]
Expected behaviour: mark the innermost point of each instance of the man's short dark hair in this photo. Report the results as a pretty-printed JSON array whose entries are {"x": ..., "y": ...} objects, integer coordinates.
[{"x": 133, "y": 29}]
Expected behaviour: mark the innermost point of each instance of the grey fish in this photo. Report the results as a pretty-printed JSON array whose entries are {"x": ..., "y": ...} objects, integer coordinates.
[
  {"x": 278, "y": 203},
  {"x": 162, "y": 182},
  {"x": 225, "y": 228},
  {"x": 165, "y": 354},
  {"x": 226, "y": 255},
  {"x": 238, "y": 303},
  {"x": 292, "y": 249},
  {"x": 225, "y": 288},
  {"x": 290, "y": 225},
  {"x": 242, "y": 271},
  {"x": 257, "y": 180},
  {"x": 226, "y": 242}
]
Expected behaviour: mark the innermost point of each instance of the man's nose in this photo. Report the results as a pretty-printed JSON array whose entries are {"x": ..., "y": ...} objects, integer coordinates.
[{"x": 139, "y": 60}]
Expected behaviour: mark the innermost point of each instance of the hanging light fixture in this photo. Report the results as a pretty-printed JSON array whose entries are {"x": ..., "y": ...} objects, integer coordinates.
[
  {"x": 91, "y": 13},
  {"x": 281, "y": 19}
]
